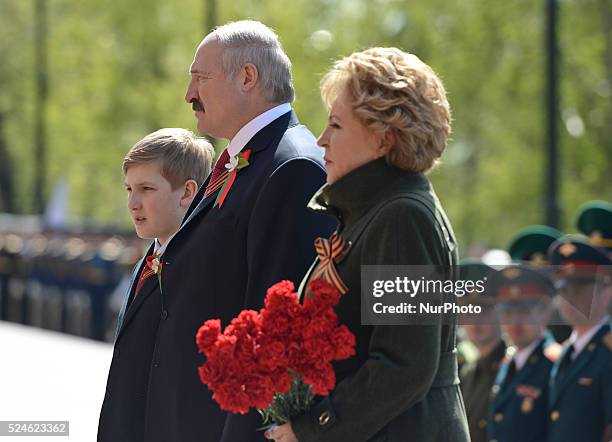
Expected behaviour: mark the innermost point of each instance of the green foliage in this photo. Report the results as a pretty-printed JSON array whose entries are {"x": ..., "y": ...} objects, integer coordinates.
[
  {"x": 118, "y": 70},
  {"x": 284, "y": 407}
]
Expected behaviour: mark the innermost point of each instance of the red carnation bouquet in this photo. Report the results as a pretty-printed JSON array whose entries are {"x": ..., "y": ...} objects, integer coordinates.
[{"x": 276, "y": 359}]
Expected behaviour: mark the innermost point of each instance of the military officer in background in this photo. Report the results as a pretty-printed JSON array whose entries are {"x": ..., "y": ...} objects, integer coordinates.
[
  {"x": 530, "y": 247},
  {"x": 580, "y": 403},
  {"x": 519, "y": 396},
  {"x": 4, "y": 276},
  {"x": 594, "y": 220},
  {"x": 484, "y": 332},
  {"x": 15, "y": 267}
]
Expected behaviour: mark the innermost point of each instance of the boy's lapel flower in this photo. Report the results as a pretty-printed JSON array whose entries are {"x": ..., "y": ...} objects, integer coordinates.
[{"x": 155, "y": 263}]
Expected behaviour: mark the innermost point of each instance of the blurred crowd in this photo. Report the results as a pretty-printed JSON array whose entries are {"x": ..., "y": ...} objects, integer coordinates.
[{"x": 66, "y": 281}]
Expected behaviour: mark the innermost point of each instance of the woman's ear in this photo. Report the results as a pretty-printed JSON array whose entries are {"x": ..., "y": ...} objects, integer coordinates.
[
  {"x": 386, "y": 143},
  {"x": 189, "y": 193}
]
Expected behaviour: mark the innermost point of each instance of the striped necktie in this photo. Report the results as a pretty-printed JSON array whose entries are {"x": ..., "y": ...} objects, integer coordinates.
[{"x": 218, "y": 175}]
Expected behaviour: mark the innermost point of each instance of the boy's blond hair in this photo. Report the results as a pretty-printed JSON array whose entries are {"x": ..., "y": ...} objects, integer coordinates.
[{"x": 181, "y": 155}]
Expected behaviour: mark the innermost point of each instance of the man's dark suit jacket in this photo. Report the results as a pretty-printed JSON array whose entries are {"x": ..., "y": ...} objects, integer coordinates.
[{"x": 221, "y": 261}]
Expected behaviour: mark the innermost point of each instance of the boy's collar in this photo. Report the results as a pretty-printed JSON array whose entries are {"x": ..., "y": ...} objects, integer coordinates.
[{"x": 159, "y": 249}]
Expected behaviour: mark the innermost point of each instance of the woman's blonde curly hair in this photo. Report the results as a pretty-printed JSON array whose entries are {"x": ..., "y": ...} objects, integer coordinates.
[{"x": 391, "y": 90}]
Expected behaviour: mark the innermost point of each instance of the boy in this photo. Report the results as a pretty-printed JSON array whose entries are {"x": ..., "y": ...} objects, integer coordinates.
[{"x": 162, "y": 175}]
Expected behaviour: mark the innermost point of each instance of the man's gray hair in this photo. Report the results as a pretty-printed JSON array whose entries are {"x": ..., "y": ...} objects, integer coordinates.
[{"x": 249, "y": 41}]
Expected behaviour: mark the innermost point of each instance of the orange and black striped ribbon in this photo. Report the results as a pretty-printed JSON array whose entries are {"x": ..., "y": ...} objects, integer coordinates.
[
  {"x": 215, "y": 185},
  {"x": 146, "y": 273},
  {"x": 327, "y": 251},
  {"x": 218, "y": 175}
]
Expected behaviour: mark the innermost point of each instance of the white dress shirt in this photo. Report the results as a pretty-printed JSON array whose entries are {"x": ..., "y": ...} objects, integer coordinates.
[
  {"x": 248, "y": 131},
  {"x": 159, "y": 249}
]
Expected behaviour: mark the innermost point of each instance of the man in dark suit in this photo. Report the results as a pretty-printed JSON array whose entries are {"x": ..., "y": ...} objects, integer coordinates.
[{"x": 247, "y": 228}]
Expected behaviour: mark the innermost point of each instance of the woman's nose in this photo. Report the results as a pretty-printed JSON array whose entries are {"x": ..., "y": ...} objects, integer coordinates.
[{"x": 323, "y": 140}]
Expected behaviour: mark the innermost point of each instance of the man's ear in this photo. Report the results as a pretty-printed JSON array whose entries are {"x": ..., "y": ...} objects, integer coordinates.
[
  {"x": 248, "y": 77},
  {"x": 189, "y": 193}
]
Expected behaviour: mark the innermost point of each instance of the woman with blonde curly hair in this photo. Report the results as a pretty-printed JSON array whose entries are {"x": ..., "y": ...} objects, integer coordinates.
[{"x": 389, "y": 121}]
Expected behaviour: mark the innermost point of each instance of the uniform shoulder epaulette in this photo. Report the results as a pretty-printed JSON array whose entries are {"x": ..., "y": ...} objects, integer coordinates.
[
  {"x": 607, "y": 339},
  {"x": 553, "y": 352}
]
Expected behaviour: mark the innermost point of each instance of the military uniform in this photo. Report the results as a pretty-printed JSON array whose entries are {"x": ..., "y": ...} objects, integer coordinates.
[
  {"x": 520, "y": 394},
  {"x": 477, "y": 376},
  {"x": 519, "y": 405},
  {"x": 580, "y": 403},
  {"x": 102, "y": 276},
  {"x": 4, "y": 276},
  {"x": 477, "y": 379},
  {"x": 530, "y": 247},
  {"x": 594, "y": 220},
  {"x": 16, "y": 303}
]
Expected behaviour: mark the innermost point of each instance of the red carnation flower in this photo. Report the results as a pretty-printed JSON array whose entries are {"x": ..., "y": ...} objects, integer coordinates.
[
  {"x": 283, "y": 351},
  {"x": 207, "y": 334}
]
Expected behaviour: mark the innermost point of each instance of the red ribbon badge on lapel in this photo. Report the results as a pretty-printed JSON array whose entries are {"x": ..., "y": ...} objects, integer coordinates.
[{"x": 242, "y": 162}]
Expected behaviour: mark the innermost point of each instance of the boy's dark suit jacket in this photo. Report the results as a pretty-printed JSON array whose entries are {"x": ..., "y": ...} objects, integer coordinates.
[
  {"x": 123, "y": 410},
  {"x": 221, "y": 261}
]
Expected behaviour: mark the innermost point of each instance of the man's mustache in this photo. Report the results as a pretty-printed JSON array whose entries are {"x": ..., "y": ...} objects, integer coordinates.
[{"x": 196, "y": 105}]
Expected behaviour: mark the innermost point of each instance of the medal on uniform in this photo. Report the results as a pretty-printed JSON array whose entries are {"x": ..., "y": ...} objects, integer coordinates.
[{"x": 527, "y": 405}]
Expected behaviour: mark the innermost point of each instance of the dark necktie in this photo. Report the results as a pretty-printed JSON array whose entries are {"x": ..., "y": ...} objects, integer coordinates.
[
  {"x": 565, "y": 362},
  {"x": 218, "y": 170},
  {"x": 510, "y": 373}
]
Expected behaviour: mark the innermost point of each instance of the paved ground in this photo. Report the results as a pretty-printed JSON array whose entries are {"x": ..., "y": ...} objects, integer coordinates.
[{"x": 51, "y": 376}]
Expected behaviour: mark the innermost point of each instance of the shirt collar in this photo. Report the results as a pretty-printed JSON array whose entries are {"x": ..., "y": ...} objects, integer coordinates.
[
  {"x": 521, "y": 356},
  {"x": 159, "y": 249},
  {"x": 580, "y": 342},
  {"x": 244, "y": 135}
]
